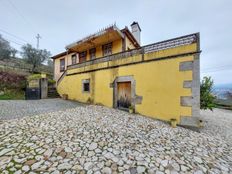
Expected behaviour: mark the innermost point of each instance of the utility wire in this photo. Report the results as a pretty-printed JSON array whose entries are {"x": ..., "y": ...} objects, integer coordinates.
[
  {"x": 218, "y": 69},
  {"x": 1, "y": 30},
  {"x": 224, "y": 66},
  {"x": 14, "y": 42},
  {"x": 20, "y": 14}
]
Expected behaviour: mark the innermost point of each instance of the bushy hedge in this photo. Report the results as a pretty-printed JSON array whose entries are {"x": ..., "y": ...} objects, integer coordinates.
[
  {"x": 34, "y": 76},
  {"x": 207, "y": 98},
  {"x": 12, "y": 81}
]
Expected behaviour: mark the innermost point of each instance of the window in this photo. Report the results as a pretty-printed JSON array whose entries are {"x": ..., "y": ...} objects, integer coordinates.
[
  {"x": 107, "y": 49},
  {"x": 92, "y": 53},
  {"x": 85, "y": 85},
  {"x": 62, "y": 65},
  {"x": 82, "y": 56},
  {"x": 74, "y": 58}
]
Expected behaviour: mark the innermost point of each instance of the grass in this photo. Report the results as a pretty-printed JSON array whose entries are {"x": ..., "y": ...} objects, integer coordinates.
[{"x": 13, "y": 95}]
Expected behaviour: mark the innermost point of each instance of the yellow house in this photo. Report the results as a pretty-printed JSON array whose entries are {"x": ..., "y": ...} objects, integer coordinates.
[{"x": 111, "y": 68}]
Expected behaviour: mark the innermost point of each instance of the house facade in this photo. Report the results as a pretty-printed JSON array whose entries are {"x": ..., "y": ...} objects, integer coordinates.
[{"x": 111, "y": 68}]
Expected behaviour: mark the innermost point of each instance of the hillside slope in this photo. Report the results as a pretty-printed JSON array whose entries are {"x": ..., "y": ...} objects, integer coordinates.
[{"x": 19, "y": 66}]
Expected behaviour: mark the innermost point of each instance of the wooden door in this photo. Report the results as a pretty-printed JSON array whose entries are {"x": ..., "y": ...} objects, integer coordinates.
[{"x": 123, "y": 94}]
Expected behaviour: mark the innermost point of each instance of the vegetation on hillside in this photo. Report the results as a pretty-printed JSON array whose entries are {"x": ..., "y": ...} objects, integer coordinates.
[
  {"x": 6, "y": 51},
  {"x": 34, "y": 56},
  {"x": 12, "y": 86},
  {"x": 13, "y": 94},
  {"x": 13, "y": 71},
  {"x": 34, "y": 60},
  {"x": 207, "y": 99}
]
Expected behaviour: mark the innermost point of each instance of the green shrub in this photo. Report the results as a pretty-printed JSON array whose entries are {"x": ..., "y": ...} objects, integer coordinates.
[
  {"x": 51, "y": 81},
  {"x": 207, "y": 99},
  {"x": 34, "y": 77},
  {"x": 12, "y": 81},
  {"x": 13, "y": 94}
]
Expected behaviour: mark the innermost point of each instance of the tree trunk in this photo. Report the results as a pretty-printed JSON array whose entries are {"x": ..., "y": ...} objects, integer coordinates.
[{"x": 33, "y": 69}]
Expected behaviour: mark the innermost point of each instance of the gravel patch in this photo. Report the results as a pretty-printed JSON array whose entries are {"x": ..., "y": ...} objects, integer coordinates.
[
  {"x": 218, "y": 123},
  {"x": 95, "y": 139},
  {"x": 10, "y": 109}
]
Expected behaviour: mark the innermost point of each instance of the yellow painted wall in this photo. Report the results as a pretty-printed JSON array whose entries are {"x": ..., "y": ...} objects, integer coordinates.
[
  {"x": 160, "y": 83},
  {"x": 129, "y": 44},
  {"x": 68, "y": 61},
  {"x": 117, "y": 47}
]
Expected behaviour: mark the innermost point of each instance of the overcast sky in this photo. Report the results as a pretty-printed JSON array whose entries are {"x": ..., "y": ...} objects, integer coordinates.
[{"x": 61, "y": 22}]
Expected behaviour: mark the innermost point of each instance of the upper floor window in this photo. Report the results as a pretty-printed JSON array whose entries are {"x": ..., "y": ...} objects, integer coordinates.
[
  {"x": 82, "y": 56},
  {"x": 62, "y": 65},
  {"x": 74, "y": 58},
  {"x": 92, "y": 53},
  {"x": 107, "y": 49}
]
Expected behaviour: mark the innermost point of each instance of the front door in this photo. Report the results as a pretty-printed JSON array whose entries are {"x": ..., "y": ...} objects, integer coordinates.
[{"x": 123, "y": 95}]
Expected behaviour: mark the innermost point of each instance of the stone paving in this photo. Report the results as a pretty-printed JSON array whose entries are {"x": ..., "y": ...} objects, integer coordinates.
[
  {"x": 10, "y": 109},
  {"x": 96, "y": 139},
  {"x": 218, "y": 123}
]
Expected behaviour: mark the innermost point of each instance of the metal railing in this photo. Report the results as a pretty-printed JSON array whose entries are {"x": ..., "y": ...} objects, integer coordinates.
[
  {"x": 61, "y": 77},
  {"x": 172, "y": 43}
]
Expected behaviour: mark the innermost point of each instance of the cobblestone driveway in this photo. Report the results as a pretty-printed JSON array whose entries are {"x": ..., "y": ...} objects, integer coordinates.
[
  {"x": 97, "y": 139},
  {"x": 218, "y": 123},
  {"x": 10, "y": 109}
]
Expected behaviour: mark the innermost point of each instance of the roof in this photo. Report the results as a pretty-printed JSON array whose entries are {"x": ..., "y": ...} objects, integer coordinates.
[
  {"x": 61, "y": 54},
  {"x": 95, "y": 35},
  {"x": 90, "y": 38},
  {"x": 130, "y": 36}
]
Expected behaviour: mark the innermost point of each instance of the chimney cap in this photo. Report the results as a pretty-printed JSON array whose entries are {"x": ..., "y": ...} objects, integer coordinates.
[{"x": 136, "y": 23}]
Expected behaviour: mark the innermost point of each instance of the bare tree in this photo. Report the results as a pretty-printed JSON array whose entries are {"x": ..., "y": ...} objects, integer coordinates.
[{"x": 34, "y": 56}]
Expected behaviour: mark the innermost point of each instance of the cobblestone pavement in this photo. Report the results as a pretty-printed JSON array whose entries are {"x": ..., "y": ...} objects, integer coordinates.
[
  {"x": 10, "y": 109},
  {"x": 218, "y": 123},
  {"x": 95, "y": 139}
]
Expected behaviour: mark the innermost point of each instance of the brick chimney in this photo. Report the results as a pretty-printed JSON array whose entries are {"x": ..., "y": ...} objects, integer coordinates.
[{"x": 136, "y": 30}]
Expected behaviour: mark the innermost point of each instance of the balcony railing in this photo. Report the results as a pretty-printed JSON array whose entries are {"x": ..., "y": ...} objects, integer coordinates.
[
  {"x": 172, "y": 43},
  {"x": 107, "y": 58}
]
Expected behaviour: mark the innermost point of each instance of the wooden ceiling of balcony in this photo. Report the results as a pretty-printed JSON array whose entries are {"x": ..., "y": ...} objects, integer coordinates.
[{"x": 94, "y": 41}]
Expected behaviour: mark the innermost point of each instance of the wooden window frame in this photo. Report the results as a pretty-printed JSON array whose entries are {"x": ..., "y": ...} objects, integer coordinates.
[
  {"x": 62, "y": 67},
  {"x": 92, "y": 53},
  {"x": 82, "y": 55},
  {"x": 107, "y": 49},
  {"x": 74, "y": 59}
]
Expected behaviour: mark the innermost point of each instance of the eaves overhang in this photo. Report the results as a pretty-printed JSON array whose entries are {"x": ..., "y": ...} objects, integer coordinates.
[{"x": 105, "y": 35}]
